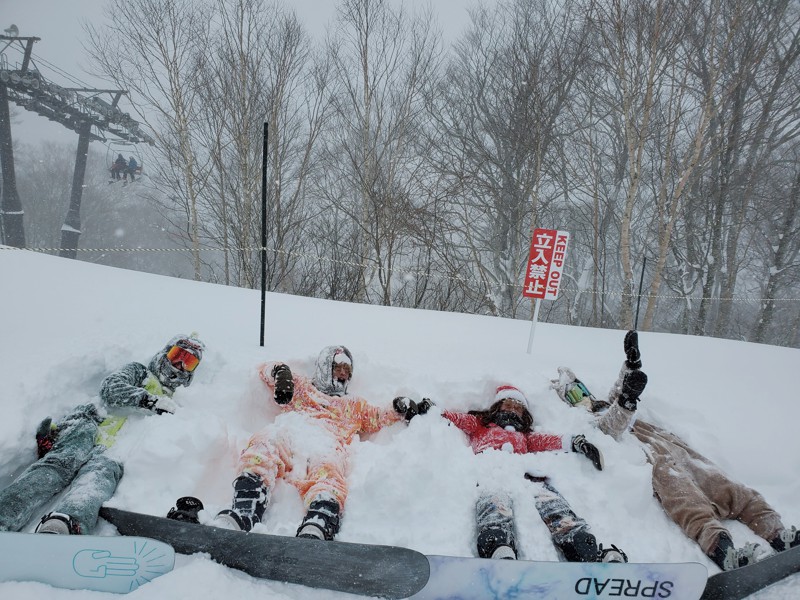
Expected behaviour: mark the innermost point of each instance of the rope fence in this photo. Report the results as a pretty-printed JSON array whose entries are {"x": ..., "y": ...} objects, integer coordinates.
[{"x": 404, "y": 272}]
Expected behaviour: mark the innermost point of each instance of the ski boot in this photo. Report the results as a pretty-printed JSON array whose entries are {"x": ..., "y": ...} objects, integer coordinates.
[
  {"x": 250, "y": 498},
  {"x": 322, "y": 519},
  {"x": 582, "y": 547},
  {"x": 788, "y": 538},
  {"x": 186, "y": 510},
  {"x": 495, "y": 521},
  {"x": 58, "y": 523},
  {"x": 611, "y": 555},
  {"x": 727, "y": 557}
]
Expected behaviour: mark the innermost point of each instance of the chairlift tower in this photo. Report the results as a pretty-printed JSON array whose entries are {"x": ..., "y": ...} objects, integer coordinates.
[{"x": 93, "y": 114}]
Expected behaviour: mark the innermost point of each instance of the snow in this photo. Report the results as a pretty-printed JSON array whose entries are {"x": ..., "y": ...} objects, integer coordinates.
[{"x": 66, "y": 324}]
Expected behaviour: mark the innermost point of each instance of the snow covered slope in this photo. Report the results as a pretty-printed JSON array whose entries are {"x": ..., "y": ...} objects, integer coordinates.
[{"x": 65, "y": 324}]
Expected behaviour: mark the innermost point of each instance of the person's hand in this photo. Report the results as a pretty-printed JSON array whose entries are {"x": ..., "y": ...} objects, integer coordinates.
[
  {"x": 424, "y": 406},
  {"x": 633, "y": 385},
  {"x": 590, "y": 451},
  {"x": 405, "y": 407},
  {"x": 159, "y": 404},
  {"x": 284, "y": 384},
  {"x": 632, "y": 354},
  {"x": 46, "y": 435}
]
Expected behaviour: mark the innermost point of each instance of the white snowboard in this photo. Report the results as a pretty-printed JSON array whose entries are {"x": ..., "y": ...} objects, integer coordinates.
[
  {"x": 83, "y": 562},
  {"x": 483, "y": 579}
]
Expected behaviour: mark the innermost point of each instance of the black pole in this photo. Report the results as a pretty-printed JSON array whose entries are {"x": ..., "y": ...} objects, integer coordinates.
[
  {"x": 639, "y": 299},
  {"x": 264, "y": 231},
  {"x": 11, "y": 223}
]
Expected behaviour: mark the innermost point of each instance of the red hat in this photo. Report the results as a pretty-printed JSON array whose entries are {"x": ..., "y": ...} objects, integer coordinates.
[{"x": 510, "y": 392}]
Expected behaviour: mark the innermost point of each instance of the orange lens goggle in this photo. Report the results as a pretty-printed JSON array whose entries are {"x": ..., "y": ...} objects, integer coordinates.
[{"x": 176, "y": 355}]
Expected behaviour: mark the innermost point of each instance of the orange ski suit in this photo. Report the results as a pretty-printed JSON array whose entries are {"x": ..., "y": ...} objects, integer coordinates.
[{"x": 307, "y": 443}]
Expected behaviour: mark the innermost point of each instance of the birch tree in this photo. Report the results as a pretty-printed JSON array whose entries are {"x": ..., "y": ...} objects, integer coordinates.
[
  {"x": 154, "y": 48},
  {"x": 381, "y": 60},
  {"x": 502, "y": 99}
]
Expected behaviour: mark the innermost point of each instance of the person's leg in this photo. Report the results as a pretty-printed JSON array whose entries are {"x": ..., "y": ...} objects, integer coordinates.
[
  {"x": 50, "y": 474},
  {"x": 494, "y": 516},
  {"x": 324, "y": 492},
  {"x": 685, "y": 503},
  {"x": 733, "y": 500},
  {"x": 260, "y": 465},
  {"x": 322, "y": 519},
  {"x": 570, "y": 533},
  {"x": 94, "y": 484}
]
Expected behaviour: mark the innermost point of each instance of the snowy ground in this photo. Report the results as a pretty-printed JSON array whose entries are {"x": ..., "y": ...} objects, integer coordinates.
[{"x": 65, "y": 324}]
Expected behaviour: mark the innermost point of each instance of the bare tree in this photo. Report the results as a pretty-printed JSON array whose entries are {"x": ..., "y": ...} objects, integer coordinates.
[
  {"x": 382, "y": 61},
  {"x": 259, "y": 69},
  {"x": 778, "y": 241},
  {"x": 154, "y": 48},
  {"x": 502, "y": 99}
]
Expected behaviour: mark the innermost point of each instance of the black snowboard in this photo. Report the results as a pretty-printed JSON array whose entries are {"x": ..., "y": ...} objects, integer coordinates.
[
  {"x": 370, "y": 570},
  {"x": 741, "y": 582}
]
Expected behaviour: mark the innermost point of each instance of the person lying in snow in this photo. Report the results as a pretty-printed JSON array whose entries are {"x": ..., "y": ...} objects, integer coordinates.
[
  {"x": 508, "y": 425},
  {"x": 307, "y": 445},
  {"x": 71, "y": 452},
  {"x": 693, "y": 491}
]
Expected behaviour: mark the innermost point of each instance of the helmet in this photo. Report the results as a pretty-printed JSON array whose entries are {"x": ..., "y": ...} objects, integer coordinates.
[
  {"x": 181, "y": 348},
  {"x": 324, "y": 379}
]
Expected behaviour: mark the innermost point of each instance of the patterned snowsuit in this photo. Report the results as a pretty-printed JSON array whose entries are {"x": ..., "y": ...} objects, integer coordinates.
[
  {"x": 494, "y": 510},
  {"x": 74, "y": 459},
  {"x": 307, "y": 443},
  {"x": 78, "y": 460},
  {"x": 694, "y": 492}
]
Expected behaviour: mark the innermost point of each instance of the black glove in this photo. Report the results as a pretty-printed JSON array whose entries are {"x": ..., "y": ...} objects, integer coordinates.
[
  {"x": 424, "y": 406},
  {"x": 186, "y": 509},
  {"x": 590, "y": 451},
  {"x": 631, "y": 345},
  {"x": 406, "y": 407},
  {"x": 158, "y": 404},
  {"x": 633, "y": 385},
  {"x": 284, "y": 384},
  {"x": 46, "y": 435}
]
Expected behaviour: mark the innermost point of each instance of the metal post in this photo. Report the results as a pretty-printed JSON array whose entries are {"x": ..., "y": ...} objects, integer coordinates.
[
  {"x": 533, "y": 324},
  {"x": 264, "y": 231},
  {"x": 11, "y": 213},
  {"x": 71, "y": 229},
  {"x": 639, "y": 299}
]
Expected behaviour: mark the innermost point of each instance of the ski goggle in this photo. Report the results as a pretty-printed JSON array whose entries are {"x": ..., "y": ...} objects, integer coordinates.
[
  {"x": 340, "y": 358},
  {"x": 577, "y": 392},
  {"x": 177, "y": 355}
]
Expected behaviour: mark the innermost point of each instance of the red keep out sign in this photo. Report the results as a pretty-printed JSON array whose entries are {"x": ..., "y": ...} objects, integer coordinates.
[{"x": 546, "y": 263}]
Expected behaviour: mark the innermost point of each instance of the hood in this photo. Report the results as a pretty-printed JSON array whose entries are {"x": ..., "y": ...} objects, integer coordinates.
[{"x": 323, "y": 375}]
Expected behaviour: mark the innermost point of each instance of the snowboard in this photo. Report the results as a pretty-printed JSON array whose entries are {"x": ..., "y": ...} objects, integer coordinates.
[
  {"x": 395, "y": 572},
  {"x": 84, "y": 562},
  {"x": 741, "y": 582}
]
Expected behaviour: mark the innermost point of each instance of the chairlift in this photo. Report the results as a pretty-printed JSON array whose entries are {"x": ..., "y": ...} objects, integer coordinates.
[{"x": 127, "y": 150}]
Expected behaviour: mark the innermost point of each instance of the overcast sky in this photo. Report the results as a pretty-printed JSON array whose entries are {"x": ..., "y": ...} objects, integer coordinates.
[{"x": 59, "y": 25}]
